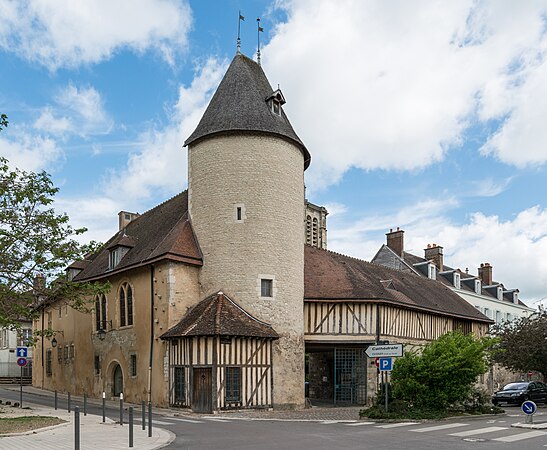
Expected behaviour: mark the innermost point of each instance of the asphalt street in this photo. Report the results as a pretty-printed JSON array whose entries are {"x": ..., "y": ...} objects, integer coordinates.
[{"x": 230, "y": 431}]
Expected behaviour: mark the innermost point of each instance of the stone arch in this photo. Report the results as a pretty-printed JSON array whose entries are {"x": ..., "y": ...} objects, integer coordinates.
[{"x": 115, "y": 369}]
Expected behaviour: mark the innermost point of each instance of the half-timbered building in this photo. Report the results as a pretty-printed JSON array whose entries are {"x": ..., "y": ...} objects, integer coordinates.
[{"x": 217, "y": 302}]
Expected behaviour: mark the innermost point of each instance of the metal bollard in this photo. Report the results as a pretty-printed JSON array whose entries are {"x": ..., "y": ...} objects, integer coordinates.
[
  {"x": 85, "y": 404},
  {"x": 121, "y": 408},
  {"x": 68, "y": 402},
  {"x": 55, "y": 400},
  {"x": 150, "y": 419},
  {"x": 76, "y": 428},
  {"x": 104, "y": 396},
  {"x": 130, "y": 426},
  {"x": 143, "y": 413}
]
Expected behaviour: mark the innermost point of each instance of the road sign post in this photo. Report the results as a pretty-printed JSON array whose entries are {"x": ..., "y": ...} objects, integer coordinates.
[
  {"x": 21, "y": 362},
  {"x": 529, "y": 408}
]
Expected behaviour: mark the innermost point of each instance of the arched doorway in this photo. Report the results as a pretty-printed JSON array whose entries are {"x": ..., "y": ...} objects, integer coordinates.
[{"x": 117, "y": 385}]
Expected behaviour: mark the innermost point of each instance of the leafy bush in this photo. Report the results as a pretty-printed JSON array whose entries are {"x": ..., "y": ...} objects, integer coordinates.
[{"x": 443, "y": 374}]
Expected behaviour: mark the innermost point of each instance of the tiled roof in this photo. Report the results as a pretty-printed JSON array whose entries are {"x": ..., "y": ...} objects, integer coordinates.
[
  {"x": 219, "y": 315},
  {"x": 164, "y": 232},
  {"x": 330, "y": 276},
  {"x": 239, "y": 105}
]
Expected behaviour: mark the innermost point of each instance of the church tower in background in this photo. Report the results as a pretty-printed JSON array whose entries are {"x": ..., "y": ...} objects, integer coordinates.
[{"x": 246, "y": 203}]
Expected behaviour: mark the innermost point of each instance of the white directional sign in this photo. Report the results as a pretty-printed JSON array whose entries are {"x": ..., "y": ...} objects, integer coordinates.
[
  {"x": 22, "y": 352},
  {"x": 387, "y": 350}
]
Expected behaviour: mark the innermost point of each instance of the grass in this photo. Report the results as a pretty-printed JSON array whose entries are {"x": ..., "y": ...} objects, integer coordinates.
[{"x": 26, "y": 423}]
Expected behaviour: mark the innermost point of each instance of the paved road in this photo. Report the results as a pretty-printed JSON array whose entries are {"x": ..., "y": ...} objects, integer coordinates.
[{"x": 250, "y": 431}]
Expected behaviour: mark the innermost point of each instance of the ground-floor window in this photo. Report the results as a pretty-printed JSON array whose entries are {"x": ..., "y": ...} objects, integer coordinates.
[
  {"x": 233, "y": 384},
  {"x": 179, "y": 385},
  {"x": 48, "y": 362}
]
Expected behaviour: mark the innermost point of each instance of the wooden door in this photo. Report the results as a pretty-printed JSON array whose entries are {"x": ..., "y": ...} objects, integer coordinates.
[
  {"x": 202, "y": 390},
  {"x": 118, "y": 381}
]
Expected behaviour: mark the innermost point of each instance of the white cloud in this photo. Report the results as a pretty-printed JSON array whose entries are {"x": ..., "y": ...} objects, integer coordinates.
[
  {"x": 392, "y": 85},
  {"x": 515, "y": 247},
  {"x": 68, "y": 33},
  {"x": 161, "y": 161},
  {"x": 29, "y": 152},
  {"x": 78, "y": 111}
]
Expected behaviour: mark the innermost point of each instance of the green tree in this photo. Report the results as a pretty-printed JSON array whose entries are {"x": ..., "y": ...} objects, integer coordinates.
[
  {"x": 36, "y": 243},
  {"x": 442, "y": 373},
  {"x": 522, "y": 344}
]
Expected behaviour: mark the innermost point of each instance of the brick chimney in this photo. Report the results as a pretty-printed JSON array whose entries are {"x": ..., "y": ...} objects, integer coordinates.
[
  {"x": 395, "y": 241},
  {"x": 434, "y": 253},
  {"x": 124, "y": 217},
  {"x": 485, "y": 274}
]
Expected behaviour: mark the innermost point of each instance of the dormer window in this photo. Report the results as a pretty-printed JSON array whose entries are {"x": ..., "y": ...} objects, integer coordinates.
[
  {"x": 516, "y": 297},
  {"x": 115, "y": 256},
  {"x": 457, "y": 279},
  {"x": 500, "y": 293},
  {"x": 432, "y": 272},
  {"x": 477, "y": 286},
  {"x": 276, "y": 100}
]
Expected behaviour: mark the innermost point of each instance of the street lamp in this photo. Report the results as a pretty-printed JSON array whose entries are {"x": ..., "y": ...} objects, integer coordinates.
[{"x": 54, "y": 342}]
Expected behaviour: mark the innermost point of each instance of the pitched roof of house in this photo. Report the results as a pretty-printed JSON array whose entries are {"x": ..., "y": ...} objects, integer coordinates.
[
  {"x": 239, "y": 105},
  {"x": 164, "y": 232},
  {"x": 219, "y": 315},
  {"x": 331, "y": 276}
]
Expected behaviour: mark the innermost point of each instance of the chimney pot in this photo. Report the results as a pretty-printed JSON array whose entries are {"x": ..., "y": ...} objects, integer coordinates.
[
  {"x": 434, "y": 253},
  {"x": 395, "y": 241}
]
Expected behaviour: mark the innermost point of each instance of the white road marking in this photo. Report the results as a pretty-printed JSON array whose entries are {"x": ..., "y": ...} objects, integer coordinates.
[
  {"x": 440, "y": 427},
  {"x": 214, "y": 419},
  {"x": 520, "y": 437},
  {"x": 402, "y": 424},
  {"x": 157, "y": 422},
  {"x": 178, "y": 419},
  {"x": 478, "y": 431},
  {"x": 359, "y": 424},
  {"x": 328, "y": 422}
]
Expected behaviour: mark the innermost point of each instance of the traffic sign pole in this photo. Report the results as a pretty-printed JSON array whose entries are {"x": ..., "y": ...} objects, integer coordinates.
[{"x": 21, "y": 388}]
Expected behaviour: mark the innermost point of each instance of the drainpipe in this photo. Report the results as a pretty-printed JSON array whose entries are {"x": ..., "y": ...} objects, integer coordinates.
[
  {"x": 151, "y": 333},
  {"x": 42, "y": 344}
]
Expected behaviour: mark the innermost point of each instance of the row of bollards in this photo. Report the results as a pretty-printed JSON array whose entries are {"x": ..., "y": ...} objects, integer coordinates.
[{"x": 130, "y": 411}]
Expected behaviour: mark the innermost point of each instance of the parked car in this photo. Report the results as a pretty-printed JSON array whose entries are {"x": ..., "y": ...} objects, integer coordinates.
[{"x": 520, "y": 391}]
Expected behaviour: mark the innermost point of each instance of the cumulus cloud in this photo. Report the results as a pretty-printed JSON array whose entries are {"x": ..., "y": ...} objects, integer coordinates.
[
  {"x": 68, "y": 33},
  {"x": 515, "y": 247},
  {"x": 77, "y": 111},
  {"x": 160, "y": 163},
  {"x": 393, "y": 85},
  {"x": 30, "y": 152}
]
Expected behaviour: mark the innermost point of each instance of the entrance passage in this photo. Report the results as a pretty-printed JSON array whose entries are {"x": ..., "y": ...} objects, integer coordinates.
[
  {"x": 336, "y": 375},
  {"x": 117, "y": 385},
  {"x": 202, "y": 392}
]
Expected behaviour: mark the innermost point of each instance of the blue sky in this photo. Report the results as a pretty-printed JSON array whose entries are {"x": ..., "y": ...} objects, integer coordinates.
[{"x": 422, "y": 115}]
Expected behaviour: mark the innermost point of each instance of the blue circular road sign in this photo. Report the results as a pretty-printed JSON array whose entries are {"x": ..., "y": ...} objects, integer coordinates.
[
  {"x": 22, "y": 362},
  {"x": 529, "y": 407}
]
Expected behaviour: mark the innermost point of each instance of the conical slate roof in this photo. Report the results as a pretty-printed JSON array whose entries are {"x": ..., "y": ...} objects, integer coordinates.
[
  {"x": 219, "y": 315},
  {"x": 239, "y": 105}
]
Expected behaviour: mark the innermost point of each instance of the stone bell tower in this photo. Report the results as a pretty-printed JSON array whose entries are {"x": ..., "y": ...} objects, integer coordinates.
[{"x": 246, "y": 202}]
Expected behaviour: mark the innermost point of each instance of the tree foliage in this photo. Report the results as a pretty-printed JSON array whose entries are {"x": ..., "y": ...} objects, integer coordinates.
[
  {"x": 522, "y": 344},
  {"x": 443, "y": 373},
  {"x": 35, "y": 241}
]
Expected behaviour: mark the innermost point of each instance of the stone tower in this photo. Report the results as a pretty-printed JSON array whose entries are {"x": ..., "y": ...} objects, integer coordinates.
[{"x": 246, "y": 202}]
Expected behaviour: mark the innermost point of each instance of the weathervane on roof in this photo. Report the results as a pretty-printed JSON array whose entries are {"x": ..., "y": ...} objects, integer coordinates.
[
  {"x": 241, "y": 17},
  {"x": 260, "y": 30}
]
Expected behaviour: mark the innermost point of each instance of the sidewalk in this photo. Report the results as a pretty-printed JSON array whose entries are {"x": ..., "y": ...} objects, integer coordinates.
[{"x": 93, "y": 434}]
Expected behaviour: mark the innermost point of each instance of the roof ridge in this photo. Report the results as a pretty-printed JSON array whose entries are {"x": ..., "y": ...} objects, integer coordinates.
[
  {"x": 159, "y": 204},
  {"x": 340, "y": 254}
]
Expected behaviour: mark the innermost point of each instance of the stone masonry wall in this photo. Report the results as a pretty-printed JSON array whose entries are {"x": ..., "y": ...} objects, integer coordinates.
[{"x": 265, "y": 177}]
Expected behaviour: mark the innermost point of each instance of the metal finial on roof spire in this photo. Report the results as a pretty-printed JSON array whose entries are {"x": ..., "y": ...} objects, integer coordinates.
[
  {"x": 238, "y": 33},
  {"x": 260, "y": 30}
]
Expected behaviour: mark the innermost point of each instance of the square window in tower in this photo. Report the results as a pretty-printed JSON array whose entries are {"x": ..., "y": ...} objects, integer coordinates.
[{"x": 266, "y": 288}]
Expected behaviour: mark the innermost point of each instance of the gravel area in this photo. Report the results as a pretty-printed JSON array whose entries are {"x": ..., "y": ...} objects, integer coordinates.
[{"x": 20, "y": 420}]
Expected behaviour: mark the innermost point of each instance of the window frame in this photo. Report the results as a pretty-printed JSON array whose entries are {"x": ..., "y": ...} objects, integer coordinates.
[
  {"x": 268, "y": 284},
  {"x": 232, "y": 384}
]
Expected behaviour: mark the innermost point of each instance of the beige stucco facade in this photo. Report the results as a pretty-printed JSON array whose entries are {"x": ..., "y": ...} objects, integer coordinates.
[
  {"x": 264, "y": 176},
  {"x": 175, "y": 288}
]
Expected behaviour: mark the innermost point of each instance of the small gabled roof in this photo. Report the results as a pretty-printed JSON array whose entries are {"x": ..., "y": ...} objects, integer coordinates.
[
  {"x": 240, "y": 105},
  {"x": 164, "y": 232},
  {"x": 219, "y": 315},
  {"x": 330, "y": 276}
]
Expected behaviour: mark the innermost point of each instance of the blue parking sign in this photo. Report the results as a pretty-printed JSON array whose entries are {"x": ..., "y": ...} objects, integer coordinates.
[
  {"x": 22, "y": 352},
  {"x": 386, "y": 364}
]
